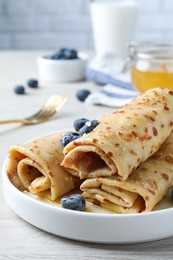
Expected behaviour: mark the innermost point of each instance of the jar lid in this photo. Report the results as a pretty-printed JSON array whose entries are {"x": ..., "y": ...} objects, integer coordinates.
[
  {"x": 147, "y": 51},
  {"x": 150, "y": 50}
]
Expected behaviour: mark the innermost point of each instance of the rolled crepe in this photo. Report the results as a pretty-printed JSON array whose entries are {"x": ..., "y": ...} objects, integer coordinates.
[
  {"x": 35, "y": 166},
  {"x": 124, "y": 138},
  {"x": 143, "y": 189}
]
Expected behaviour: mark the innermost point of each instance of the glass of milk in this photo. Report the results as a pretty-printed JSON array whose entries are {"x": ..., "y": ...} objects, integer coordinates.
[{"x": 113, "y": 23}]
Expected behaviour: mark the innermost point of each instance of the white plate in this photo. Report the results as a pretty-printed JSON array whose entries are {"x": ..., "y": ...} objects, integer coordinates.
[{"x": 89, "y": 227}]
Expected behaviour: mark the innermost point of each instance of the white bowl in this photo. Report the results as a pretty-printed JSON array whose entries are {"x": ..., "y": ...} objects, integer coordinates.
[{"x": 62, "y": 70}]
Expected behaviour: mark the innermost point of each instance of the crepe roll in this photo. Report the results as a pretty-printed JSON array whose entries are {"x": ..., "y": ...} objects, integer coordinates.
[
  {"x": 123, "y": 139},
  {"x": 35, "y": 166},
  {"x": 143, "y": 189}
]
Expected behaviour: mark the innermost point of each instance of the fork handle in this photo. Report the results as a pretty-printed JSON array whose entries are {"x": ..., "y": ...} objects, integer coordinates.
[{"x": 22, "y": 121}]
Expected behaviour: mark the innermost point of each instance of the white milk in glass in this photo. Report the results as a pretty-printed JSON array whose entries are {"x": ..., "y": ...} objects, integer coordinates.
[{"x": 114, "y": 24}]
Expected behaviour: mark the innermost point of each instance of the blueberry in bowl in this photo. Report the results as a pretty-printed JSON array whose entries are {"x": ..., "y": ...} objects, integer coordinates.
[
  {"x": 65, "y": 65},
  {"x": 64, "y": 54},
  {"x": 70, "y": 54}
]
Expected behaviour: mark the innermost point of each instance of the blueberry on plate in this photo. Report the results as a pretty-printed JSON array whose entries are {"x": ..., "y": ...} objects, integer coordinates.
[
  {"x": 32, "y": 83},
  {"x": 94, "y": 123},
  {"x": 82, "y": 94},
  {"x": 19, "y": 89},
  {"x": 88, "y": 127},
  {"x": 79, "y": 123},
  {"x": 69, "y": 137},
  {"x": 74, "y": 202}
]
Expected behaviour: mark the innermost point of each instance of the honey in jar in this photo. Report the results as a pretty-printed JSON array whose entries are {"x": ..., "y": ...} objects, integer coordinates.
[{"x": 151, "y": 65}]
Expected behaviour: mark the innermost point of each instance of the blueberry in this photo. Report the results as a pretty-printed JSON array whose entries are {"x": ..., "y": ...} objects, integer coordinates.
[
  {"x": 74, "y": 202},
  {"x": 70, "y": 54},
  {"x": 19, "y": 89},
  {"x": 32, "y": 83},
  {"x": 63, "y": 54},
  {"x": 69, "y": 137},
  {"x": 88, "y": 127},
  {"x": 56, "y": 56},
  {"x": 79, "y": 123},
  {"x": 82, "y": 94},
  {"x": 94, "y": 123},
  {"x": 74, "y": 54},
  {"x": 62, "y": 50},
  {"x": 67, "y": 54}
]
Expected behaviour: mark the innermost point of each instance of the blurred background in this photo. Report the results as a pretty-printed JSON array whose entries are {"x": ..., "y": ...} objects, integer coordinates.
[{"x": 51, "y": 24}]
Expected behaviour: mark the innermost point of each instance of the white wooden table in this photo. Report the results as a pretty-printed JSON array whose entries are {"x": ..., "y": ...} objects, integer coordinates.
[{"x": 18, "y": 239}]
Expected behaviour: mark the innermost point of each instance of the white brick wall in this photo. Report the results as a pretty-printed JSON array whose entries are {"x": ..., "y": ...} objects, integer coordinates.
[{"x": 50, "y": 24}]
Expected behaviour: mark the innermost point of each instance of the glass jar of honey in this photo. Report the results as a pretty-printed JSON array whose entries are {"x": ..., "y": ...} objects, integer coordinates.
[{"x": 151, "y": 65}]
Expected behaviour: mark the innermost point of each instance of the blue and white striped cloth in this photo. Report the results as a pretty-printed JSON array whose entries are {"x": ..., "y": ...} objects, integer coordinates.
[
  {"x": 116, "y": 88},
  {"x": 111, "y": 95}
]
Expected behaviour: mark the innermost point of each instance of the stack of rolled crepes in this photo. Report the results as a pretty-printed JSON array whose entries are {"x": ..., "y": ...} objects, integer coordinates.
[
  {"x": 120, "y": 162},
  {"x": 35, "y": 167}
]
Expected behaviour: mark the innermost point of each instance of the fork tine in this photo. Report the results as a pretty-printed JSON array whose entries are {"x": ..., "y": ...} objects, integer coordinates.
[
  {"x": 51, "y": 107},
  {"x": 48, "y": 110},
  {"x": 61, "y": 104},
  {"x": 58, "y": 106},
  {"x": 53, "y": 99}
]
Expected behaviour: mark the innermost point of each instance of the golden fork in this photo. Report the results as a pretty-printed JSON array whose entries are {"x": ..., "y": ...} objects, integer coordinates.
[{"x": 53, "y": 105}]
